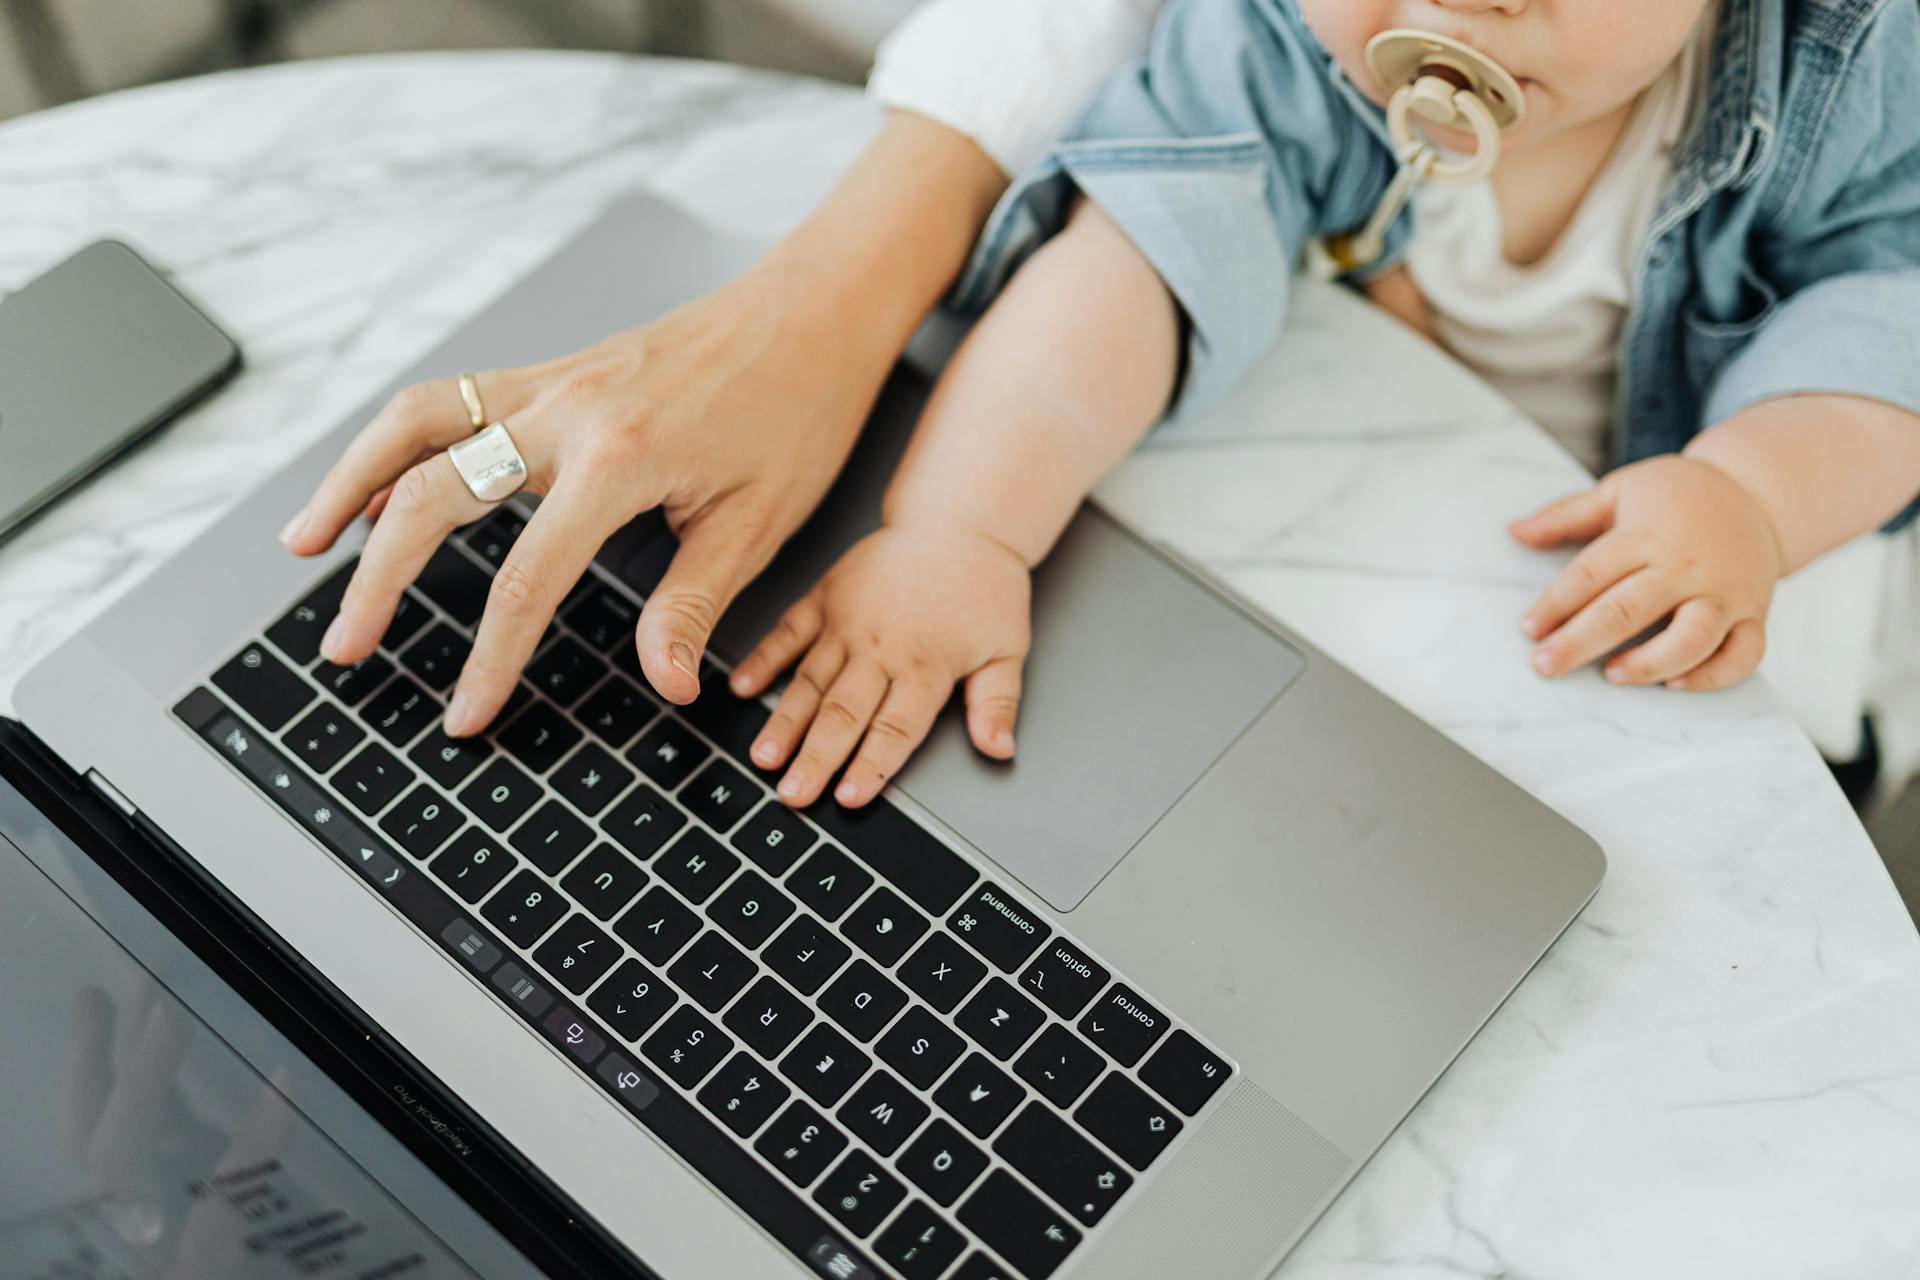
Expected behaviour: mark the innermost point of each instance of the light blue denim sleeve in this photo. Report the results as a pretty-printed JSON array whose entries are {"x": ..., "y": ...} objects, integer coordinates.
[
  {"x": 1218, "y": 154},
  {"x": 1847, "y": 260}
]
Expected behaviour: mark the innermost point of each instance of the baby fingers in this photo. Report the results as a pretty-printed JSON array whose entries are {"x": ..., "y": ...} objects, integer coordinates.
[
  {"x": 1736, "y": 659},
  {"x": 900, "y": 725},
  {"x": 844, "y": 713},
  {"x": 1620, "y": 613},
  {"x": 1696, "y": 631},
  {"x": 797, "y": 705}
]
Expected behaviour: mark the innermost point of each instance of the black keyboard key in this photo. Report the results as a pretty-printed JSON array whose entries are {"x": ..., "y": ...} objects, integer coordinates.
[
  {"x": 919, "y": 1244},
  {"x": 1080, "y": 1177},
  {"x": 730, "y": 721},
  {"x": 942, "y": 972},
  {"x": 538, "y": 737},
  {"x": 500, "y": 795},
  {"x": 720, "y": 796},
  {"x": 801, "y": 1143},
  {"x": 571, "y": 1034},
  {"x": 408, "y": 617},
  {"x": 437, "y": 656},
  {"x": 400, "y": 711},
  {"x": 668, "y": 752},
  {"x": 774, "y": 838},
  {"x": 525, "y": 908},
  {"x": 901, "y": 850},
  {"x": 942, "y": 1163},
  {"x": 711, "y": 971},
  {"x": 323, "y": 737},
  {"x": 1122, "y": 1024},
  {"x": 824, "y": 1064},
  {"x": 1128, "y": 1120},
  {"x": 422, "y": 822},
  {"x": 884, "y": 926},
  {"x": 979, "y": 1095},
  {"x": 862, "y": 1000},
  {"x": 352, "y": 684},
  {"x": 998, "y": 927},
  {"x": 602, "y": 616},
  {"x": 604, "y": 881},
  {"x": 449, "y": 761},
  {"x": 920, "y": 1047},
  {"x": 1000, "y": 1018},
  {"x": 743, "y": 1094},
  {"x": 473, "y": 864},
  {"x": 1063, "y": 978},
  {"x": 371, "y": 779},
  {"x": 1184, "y": 1072},
  {"x": 882, "y": 1112},
  {"x": 1060, "y": 1065},
  {"x": 750, "y": 909},
  {"x": 632, "y": 1000},
  {"x": 298, "y": 633},
  {"x": 591, "y": 778},
  {"x": 616, "y": 712},
  {"x": 657, "y": 926},
  {"x": 552, "y": 838},
  {"x": 1017, "y": 1226},
  {"x": 263, "y": 686},
  {"x": 806, "y": 954},
  {"x": 859, "y": 1193},
  {"x": 687, "y": 1047},
  {"x": 577, "y": 953},
  {"x": 493, "y": 538},
  {"x": 828, "y": 882},
  {"x": 565, "y": 671},
  {"x": 768, "y": 1018},
  {"x": 456, "y": 584},
  {"x": 643, "y": 822},
  {"x": 696, "y": 865}
]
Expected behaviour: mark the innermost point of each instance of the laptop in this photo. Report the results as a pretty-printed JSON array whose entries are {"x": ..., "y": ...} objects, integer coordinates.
[{"x": 1138, "y": 1004}]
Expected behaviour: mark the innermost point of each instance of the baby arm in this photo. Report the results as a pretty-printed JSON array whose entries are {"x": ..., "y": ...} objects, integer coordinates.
[
  {"x": 1703, "y": 535},
  {"x": 1057, "y": 382}
]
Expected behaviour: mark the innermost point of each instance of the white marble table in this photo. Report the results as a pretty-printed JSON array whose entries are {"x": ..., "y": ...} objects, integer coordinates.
[{"x": 1715, "y": 1073}]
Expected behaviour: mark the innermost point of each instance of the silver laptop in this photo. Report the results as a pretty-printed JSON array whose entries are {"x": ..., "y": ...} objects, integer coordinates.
[{"x": 1137, "y": 1005}]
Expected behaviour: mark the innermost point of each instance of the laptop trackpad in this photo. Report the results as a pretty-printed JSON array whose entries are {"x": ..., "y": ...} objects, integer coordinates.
[{"x": 1140, "y": 678}]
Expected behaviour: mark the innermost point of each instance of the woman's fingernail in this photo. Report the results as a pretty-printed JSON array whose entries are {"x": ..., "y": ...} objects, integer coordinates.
[
  {"x": 330, "y": 642},
  {"x": 1003, "y": 739},
  {"x": 457, "y": 712},
  {"x": 789, "y": 788},
  {"x": 1543, "y": 662},
  {"x": 763, "y": 752},
  {"x": 682, "y": 657},
  {"x": 294, "y": 526},
  {"x": 847, "y": 793},
  {"x": 738, "y": 682}
]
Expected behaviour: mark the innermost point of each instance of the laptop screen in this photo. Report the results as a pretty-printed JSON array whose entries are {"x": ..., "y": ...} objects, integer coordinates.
[{"x": 152, "y": 1124}]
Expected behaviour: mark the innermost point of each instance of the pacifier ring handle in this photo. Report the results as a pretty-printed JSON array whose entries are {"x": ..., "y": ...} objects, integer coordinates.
[
  {"x": 1451, "y": 84},
  {"x": 1486, "y": 131}
]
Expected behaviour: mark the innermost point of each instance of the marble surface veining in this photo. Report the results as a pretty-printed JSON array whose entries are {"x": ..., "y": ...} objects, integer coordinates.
[{"x": 1715, "y": 1073}]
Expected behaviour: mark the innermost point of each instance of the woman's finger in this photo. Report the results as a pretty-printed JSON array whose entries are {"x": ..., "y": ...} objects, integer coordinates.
[
  {"x": 844, "y": 714},
  {"x": 900, "y": 725},
  {"x": 572, "y": 522},
  {"x": 1698, "y": 627},
  {"x": 798, "y": 702},
  {"x": 993, "y": 701},
  {"x": 417, "y": 421},
  {"x": 1737, "y": 658},
  {"x": 1598, "y": 566},
  {"x": 1571, "y": 519},
  {"x": 429, "y": 501},
  {"x": 718, "y": 555},
  {"x": 790, "y": 636},
  {"x": 1620, "y": 613}
]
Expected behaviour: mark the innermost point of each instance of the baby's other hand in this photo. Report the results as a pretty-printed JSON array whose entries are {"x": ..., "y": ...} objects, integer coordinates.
[
  {"x": 1671, "y": 537},
  {"x": 905, "y": 613}
]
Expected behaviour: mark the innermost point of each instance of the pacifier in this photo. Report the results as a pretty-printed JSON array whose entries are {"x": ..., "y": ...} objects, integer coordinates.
[{"x": 1448, "y": 84}]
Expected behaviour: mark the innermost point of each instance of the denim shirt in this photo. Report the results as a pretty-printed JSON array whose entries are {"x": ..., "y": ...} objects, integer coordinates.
[{"x": 1783, "y": 258}]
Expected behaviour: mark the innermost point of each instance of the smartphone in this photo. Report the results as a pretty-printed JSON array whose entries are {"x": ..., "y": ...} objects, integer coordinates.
[{"x": 95, "y": 355}]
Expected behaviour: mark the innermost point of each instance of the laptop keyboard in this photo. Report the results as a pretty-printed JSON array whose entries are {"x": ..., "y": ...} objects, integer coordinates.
[{"x": 891, "y": 1064}]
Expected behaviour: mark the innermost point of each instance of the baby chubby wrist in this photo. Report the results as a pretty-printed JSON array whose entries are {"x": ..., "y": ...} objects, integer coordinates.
[
  {"x": 948, "y": 522},
  {"x": 1738, "y": 471}
]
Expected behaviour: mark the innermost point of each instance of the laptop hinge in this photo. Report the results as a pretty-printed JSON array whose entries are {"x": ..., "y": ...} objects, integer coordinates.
[{"x": 112, "y": 793}]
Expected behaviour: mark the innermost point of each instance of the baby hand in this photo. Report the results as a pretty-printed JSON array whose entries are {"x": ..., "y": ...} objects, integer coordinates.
[
  {"x": 905, "y": 613},
  {"x": 1673, "y": 536}
]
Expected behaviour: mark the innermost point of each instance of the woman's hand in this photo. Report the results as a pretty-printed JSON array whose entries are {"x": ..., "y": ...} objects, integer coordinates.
[
  {"x": 733, "y": 413},
  {"x": 907, "y": 612},
  {"x": 1673, "y": 537}
]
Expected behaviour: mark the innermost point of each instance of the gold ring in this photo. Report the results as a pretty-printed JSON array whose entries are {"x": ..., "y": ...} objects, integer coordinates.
[{"x": 470, "y": 392}]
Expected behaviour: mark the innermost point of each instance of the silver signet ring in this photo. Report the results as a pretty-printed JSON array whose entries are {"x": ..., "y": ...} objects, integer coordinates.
[{"x": 490, "y": 464}]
